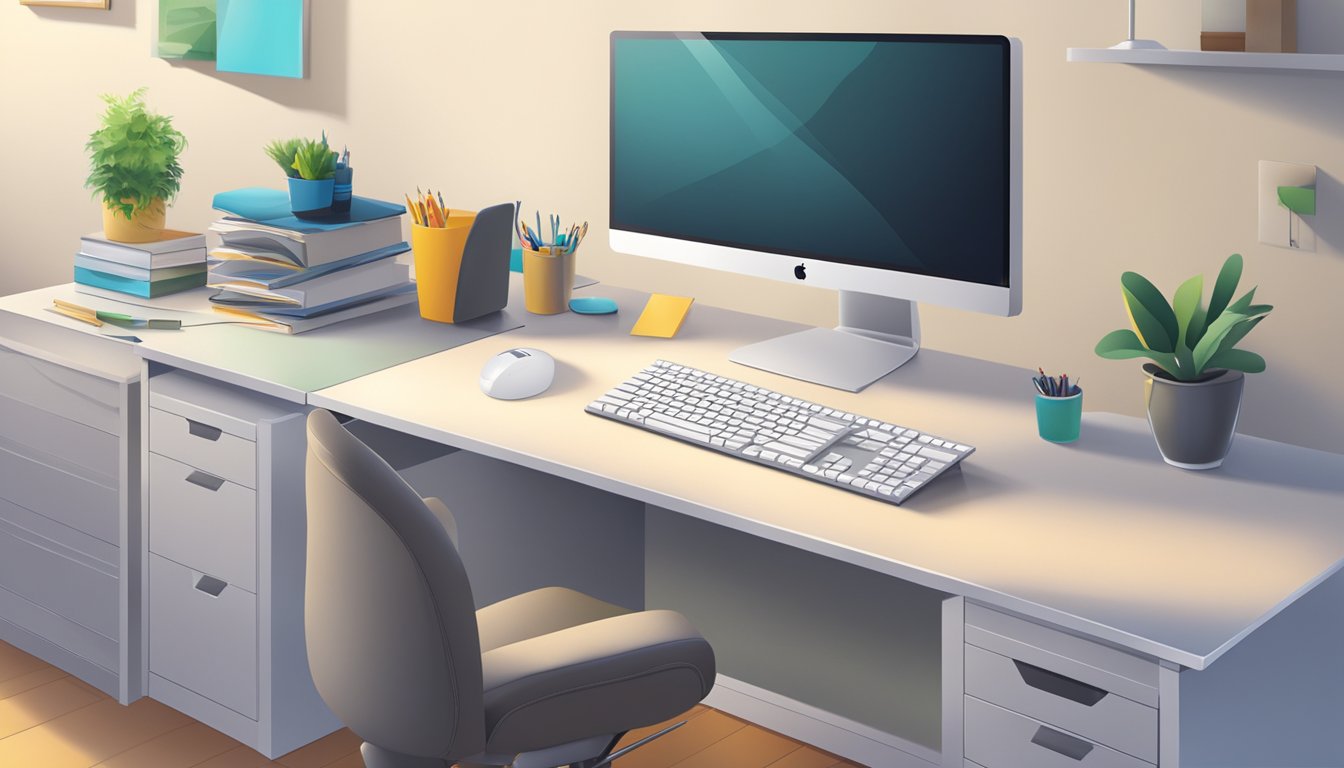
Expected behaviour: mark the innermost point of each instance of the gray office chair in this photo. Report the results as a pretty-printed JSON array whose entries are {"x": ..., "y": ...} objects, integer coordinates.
[{"x": 397, "y": 650}]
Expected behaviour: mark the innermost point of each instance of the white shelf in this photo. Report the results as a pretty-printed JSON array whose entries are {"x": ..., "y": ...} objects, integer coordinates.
[{"x": 1301, "y": 62}]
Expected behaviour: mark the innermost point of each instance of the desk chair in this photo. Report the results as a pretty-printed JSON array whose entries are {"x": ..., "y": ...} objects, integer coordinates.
[{"x": 397, "y": 650}]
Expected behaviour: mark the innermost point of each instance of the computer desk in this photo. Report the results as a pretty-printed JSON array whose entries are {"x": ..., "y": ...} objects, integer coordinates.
[
  {"x": 1095, "y": 561},
  {"x": 1099, "y": 539}
]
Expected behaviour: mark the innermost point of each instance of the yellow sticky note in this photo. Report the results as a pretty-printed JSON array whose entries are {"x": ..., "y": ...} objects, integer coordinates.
[{"x": 662, "y": 316}]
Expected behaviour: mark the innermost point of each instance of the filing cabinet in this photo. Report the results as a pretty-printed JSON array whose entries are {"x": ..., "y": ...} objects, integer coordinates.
[
  {"x": 1036, "y": 697},
  {"x": 224, "y": 552},
  {"x": 69, "y": 416}
]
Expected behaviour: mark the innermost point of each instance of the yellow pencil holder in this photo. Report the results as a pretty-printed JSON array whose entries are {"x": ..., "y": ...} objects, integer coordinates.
[
  {"x": 438, "y": 263},
  {"x": 548, "y": 282}
]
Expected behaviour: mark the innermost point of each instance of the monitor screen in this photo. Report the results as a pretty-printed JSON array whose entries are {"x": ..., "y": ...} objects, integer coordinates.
[{"x": 883, "y": 151}]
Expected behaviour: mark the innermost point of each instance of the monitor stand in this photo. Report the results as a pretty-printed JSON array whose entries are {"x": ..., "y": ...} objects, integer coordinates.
[{"x": 876, "y": 336}]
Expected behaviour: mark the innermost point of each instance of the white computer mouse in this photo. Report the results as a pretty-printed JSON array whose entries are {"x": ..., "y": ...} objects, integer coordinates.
[{"x": 517, "y": 373}]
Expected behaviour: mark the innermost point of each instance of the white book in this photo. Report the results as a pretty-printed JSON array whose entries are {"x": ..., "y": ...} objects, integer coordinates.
[
  {"x": 173, "y": 250},
  {"x": 305, "y": 249},
  {"x": 325, "y": 289}
]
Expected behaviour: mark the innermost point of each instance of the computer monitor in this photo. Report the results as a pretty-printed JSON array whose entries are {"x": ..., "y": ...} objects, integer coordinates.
[{"x": 885, "y": 166}]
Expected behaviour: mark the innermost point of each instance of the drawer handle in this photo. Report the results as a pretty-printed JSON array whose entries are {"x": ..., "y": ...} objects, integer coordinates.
[
  {"x": 210, "y": 585},
  {"x": 1059, "y": 685},
  {"x": 204, "y": 431},
  {"x": 205, "y": 480},
  {"x": 1061, "y": 743}
]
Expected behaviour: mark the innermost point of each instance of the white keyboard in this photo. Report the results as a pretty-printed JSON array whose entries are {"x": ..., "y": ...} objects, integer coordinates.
[{"x": 868, "y": 456}]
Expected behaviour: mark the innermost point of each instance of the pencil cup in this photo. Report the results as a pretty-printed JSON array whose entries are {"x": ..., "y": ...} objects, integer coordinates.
[
  {"x": 548, "y": 282},
  {"x": 1059, "y": 419},
  {"x": 438, "y": 261}
]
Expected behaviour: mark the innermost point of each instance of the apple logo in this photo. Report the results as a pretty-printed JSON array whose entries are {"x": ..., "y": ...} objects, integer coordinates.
[{"x": 800, "y": 271}]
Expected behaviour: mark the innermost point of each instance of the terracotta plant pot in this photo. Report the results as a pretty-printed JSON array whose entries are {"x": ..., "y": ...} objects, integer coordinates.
[
  {"x": 1193, "y": 421},
  {"x": 145, "y": 226}
]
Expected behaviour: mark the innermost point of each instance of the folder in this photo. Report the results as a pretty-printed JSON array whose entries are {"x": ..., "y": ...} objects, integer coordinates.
[{"x": 662, "y": 316}]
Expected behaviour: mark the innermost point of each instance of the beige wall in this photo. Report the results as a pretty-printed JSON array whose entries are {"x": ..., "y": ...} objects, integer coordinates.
[{"x": 1126, "y": 168}]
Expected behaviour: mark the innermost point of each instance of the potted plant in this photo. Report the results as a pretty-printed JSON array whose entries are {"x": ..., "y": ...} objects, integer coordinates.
[
  {"x": 1195, "y": 379},
  {"x": 133, "y": 159},
  {"x": 311, "y": 171}
]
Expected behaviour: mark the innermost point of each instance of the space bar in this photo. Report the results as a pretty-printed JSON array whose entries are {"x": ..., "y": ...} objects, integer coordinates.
[{"x": 686, "y": 429}]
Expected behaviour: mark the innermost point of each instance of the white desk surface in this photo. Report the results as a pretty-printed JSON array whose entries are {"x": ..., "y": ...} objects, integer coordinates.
[{"x": 1100, "y": 537}]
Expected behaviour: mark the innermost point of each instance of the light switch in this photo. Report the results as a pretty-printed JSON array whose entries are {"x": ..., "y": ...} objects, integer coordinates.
[{"x": 1287, "y": 195}]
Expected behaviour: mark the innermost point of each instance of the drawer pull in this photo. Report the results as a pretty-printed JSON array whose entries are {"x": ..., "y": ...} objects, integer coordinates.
[
  {"x": 1061, "y": 743},
  {"x": 205, "y": 480},
  {"x": 204, "y": 431},
  {"x": 210, "y": 585},
  {"x": 1059, "y": 685}
]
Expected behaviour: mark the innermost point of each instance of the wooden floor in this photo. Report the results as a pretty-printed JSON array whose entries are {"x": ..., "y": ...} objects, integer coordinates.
[{"x": 53, "y": 720}]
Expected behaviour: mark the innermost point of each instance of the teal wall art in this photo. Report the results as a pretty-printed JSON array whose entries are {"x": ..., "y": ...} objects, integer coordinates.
[{"x": 262, "y": 37}]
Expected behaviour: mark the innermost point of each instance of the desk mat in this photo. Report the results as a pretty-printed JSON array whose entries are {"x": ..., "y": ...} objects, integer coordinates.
[{"x": 281, "y": 365}]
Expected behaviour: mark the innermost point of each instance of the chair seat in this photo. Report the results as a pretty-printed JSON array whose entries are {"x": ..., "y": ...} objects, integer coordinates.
[{"x": 560, "y": 666}]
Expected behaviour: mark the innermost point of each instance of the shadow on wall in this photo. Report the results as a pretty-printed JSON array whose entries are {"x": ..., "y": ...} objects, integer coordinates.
[
  {"x": 1329, "y": 196},
  {"x": 325, "y": 89},
  {"x": 1313, "y": 99},
  {"x": 121, "y": 14}
]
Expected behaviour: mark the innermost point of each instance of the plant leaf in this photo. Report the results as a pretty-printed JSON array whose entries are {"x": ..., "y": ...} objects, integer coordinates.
[
  {"x": 1117, "y": 344},
  {"x": 1212, "y": 340},
  {"x": 1223, "y": 288},
  {"x": 1124, "y": 344},
  {"x": 1150, "y": 313},
  {"x": 1238, "y": 333},
  {"x": 1238, "y": 360},
  {"x": 1186, "y": 305}
]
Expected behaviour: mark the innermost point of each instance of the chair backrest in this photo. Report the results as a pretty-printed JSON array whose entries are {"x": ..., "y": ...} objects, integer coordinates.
[{"x": 389, "y": 615}]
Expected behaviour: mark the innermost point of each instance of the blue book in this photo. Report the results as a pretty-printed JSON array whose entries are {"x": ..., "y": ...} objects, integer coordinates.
[
  {"x": 270, "y": 207},
  {"x": 145, "y": 289}
]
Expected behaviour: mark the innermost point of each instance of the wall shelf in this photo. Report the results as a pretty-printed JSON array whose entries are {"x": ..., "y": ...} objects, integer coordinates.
[{"x": 1296, "y": 62}]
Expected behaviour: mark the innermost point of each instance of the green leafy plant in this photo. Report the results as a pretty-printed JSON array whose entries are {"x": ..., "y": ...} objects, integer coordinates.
[
  {"x": 133, "y": 157},
  {"x": 283, "y": 152},
  {"x": 1185, "y": 338},
  {"x": 314, "y": 160}
]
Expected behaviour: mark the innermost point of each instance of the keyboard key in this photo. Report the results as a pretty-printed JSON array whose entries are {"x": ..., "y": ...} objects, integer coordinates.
[{"x": 944, "y": 456}]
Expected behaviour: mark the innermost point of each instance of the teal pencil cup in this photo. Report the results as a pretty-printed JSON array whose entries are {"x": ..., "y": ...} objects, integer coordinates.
[{"x": 1059, "y": 419}]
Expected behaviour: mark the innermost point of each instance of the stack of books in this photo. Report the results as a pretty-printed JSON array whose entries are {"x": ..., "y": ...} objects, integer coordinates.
[
  {"x": 176, "y": 262},
  {"x": 292, "y": 275}
]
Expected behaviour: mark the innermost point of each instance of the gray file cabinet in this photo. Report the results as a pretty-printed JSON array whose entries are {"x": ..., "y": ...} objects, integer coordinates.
[
  {"x": 224, "y": 554},
  {"x": 1039, "y": 698},
  {"x": 69, "y": 568}
]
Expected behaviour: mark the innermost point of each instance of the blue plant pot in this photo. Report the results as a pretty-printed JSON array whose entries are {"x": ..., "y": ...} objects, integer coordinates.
[{"x": 310, "y": 195}]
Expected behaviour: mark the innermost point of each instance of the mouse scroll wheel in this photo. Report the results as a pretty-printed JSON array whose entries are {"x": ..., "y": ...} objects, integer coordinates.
[{"x": 518, "y": 353}]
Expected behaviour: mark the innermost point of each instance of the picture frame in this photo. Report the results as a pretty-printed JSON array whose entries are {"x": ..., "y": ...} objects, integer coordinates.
[{"x": 101, "y": 5}]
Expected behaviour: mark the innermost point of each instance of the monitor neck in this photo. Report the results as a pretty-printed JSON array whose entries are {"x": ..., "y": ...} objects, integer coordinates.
[{"x": 876, "y": 336}]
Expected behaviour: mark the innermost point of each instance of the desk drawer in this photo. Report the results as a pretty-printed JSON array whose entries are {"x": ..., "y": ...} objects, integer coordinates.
[
  {"x": 203, "y": 446},
  {"x": 61, "y": 580},
  {"x": 203, "y": 521},
  {"x": 53, "y": 388},
  {"x": 90, "y": 449},
  {"x": 203, "y": 635},
  {"x": 81, "y": 502},
  {"x": 1054, "y": 698},
  {"x": 997, "y": 738}
]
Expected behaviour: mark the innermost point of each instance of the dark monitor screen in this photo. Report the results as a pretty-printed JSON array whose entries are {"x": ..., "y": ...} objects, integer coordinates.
[{"x": 886, "y": 151}]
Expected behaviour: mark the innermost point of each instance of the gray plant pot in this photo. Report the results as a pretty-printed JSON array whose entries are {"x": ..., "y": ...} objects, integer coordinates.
[{"x": 1193, "y": 421}]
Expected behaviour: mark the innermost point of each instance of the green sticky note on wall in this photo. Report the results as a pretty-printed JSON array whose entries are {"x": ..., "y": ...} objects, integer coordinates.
[{"x": 261, "y": 37}]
